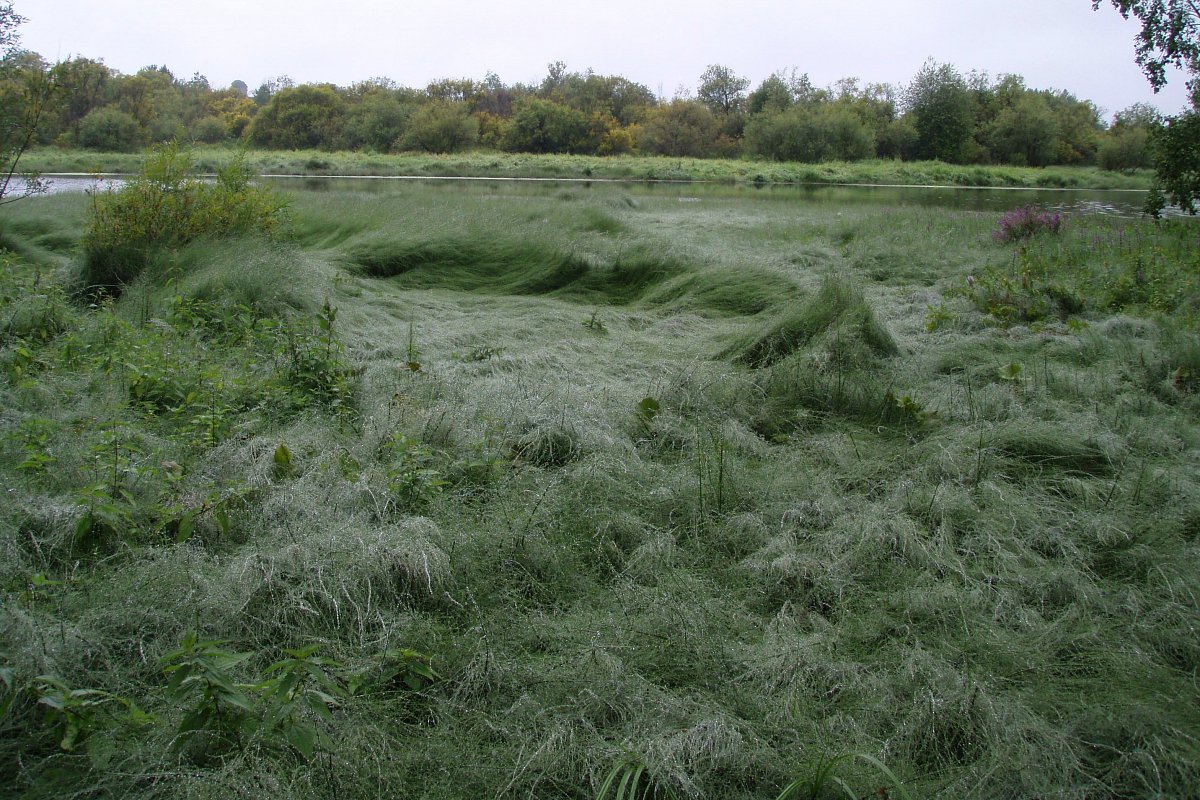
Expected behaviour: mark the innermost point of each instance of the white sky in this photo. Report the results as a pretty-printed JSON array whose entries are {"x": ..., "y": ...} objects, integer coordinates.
[{"x": 1054, "y": 44}]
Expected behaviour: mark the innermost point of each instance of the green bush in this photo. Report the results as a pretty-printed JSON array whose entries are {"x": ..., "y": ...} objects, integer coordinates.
[
  {"x": 109, "y": 130},
  {"x": 167, "y": 206},
  {"x": 210, "y": 130},
  {"x": 542, "y": 126},
  {"x": 810, "y": 135},
  {"x": 442, "y": 128},
  {"x": 1125, "y": 150}
]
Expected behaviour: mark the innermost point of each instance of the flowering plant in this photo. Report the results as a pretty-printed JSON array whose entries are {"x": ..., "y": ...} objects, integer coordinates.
[{"x": 1026, "y": 222}]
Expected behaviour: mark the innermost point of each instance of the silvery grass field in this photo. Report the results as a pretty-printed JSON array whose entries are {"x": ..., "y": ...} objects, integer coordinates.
[{"x": 549, "y": 491}]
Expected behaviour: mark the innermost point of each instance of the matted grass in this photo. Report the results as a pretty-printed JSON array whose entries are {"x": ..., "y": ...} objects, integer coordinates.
[{"x": 696, "y": 498}]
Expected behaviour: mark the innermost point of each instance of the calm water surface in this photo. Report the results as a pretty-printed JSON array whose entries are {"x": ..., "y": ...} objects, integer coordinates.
[{"x": 1088, "y": 201}]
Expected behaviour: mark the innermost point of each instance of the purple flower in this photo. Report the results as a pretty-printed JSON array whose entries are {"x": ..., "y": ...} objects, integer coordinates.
[{"x": 1026, "y": 222}]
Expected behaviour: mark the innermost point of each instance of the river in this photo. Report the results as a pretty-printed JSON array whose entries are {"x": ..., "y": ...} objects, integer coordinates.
[{"x": 1119, "y": 202}]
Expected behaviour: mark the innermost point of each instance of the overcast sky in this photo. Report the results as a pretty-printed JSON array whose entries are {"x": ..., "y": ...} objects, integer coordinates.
[{"x": 1055, "y": 44}]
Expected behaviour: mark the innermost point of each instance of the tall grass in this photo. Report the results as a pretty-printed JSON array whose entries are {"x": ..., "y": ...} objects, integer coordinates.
[{"x": 594, "y": 494}]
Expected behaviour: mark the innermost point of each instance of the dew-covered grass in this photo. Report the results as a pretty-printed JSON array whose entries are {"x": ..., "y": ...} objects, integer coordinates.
[{"x": 570, "y": 485}]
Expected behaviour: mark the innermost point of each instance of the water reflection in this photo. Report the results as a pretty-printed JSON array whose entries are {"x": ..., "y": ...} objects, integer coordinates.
[{"x": 1123, "y": 203}]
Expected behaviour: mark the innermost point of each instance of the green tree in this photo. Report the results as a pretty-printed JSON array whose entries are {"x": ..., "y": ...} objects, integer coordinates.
[
  {"x": 772, "y": 96},
  {"x": 940, "y": 104},
  {"x": 110, "y": 130},
  {"x": 722, "y": 90},
  {"x": 1177, "y": 160},
  {"x": 680, "y": 128},
  {"x": 1170, "y": 36},
  {"x": 1125, "y": 149},
  {"x": 439, "y": 127},
  {"x": 84, "y": 85},
  {"x": 543, "y": 126},
  {"x": 1079, "y": 127},
  {"x": 152, "y": 98},
  {"x": 26, "y": 89},
  {"x": 826, "y": 132},
  {"x": 301, "y": 117},
  {"x": 376, "y": 122},
  {"x": 603, "y": 94},
  {"x": 1027, "y": 133}
]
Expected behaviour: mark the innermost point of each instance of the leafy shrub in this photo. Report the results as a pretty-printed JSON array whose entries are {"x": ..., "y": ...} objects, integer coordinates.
[
  {"x": 110, "y": 130},
  {"x": 810, "y": 135},
  {"x": 543, "y": 126},
  {"x": 209, "y": 130},
  {"x": 441, "y": 128},
  {"x": 1125, "y": 150},
  {"x": 166, "y": 206},
  {"x": 1027, "y": 222}
]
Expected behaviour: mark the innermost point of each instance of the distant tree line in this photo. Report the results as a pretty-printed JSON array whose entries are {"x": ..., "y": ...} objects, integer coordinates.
[{"x": 940, "y": 113}]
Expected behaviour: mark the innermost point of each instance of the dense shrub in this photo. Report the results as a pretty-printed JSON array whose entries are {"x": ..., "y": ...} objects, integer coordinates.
[
  {"x": 300, "y": 117},
  {"x": 1026, "y": 134},
  {"x": 442, "y": 128},
  {"x": 680, "y": 128},
  {"x": 810, "y": 135},
  {"x": 542, "y": 126},
  {"x": 168, "y": 206},
  {"x": 210, "y": 130},
  {"x": 376, "y": 123},
  {"x": 1125, "y": 149},
  {"x": 109, "y": 130}
]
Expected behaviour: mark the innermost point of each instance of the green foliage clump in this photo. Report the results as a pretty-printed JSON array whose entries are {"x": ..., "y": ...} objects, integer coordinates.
[
  {"x": 1177, "y": 160},
  {"x": 810, "y": 135},
  {"x": 299, "y": 117},
  {"x": 168, "y": 206},
  {"x": 542, "y": 126},
  {"x": 441, "y": 128},
  {"x": 110, "y": 130}
]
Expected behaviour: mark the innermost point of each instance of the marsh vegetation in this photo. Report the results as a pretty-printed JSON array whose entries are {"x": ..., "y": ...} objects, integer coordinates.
[{"x": 537, "y": 491}]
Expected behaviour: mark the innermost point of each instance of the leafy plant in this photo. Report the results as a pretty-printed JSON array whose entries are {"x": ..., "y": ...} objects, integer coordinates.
[
  {"x": 646, "y": 410},
  {"x": 77, "y": 713},
  {"x": 315, "y": 364},
  {"x": 284, "y": 462},
  {"x": 34, "y": 436},
  {"x": 199, "y": 677},
  {"x": 298, "y": 688},
  {"x": 811, "y": 787},
  {"x": 412, "y": 478},
  {"x": 937, "y": 317},
  {"x": 630, "y": 780},
  {"x": 167, "y": 206},
  {"x": 902, "y": 411},
  {"x": 398, "y": 668},
  {"x": 595, "y": 324}
]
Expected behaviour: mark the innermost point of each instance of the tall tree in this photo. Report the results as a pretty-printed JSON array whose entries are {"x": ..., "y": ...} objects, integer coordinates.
[
  {"x": 1170, "y": 36},
  {"x": 25, "y": 91},
  {"x": 940, "y": 103},
  {"x": 722, "y": 90}
]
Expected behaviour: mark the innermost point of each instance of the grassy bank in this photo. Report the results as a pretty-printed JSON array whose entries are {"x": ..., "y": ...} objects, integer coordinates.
[
  {"x": 618, "y": 167},
  {"x": 543, "y": 486}
]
